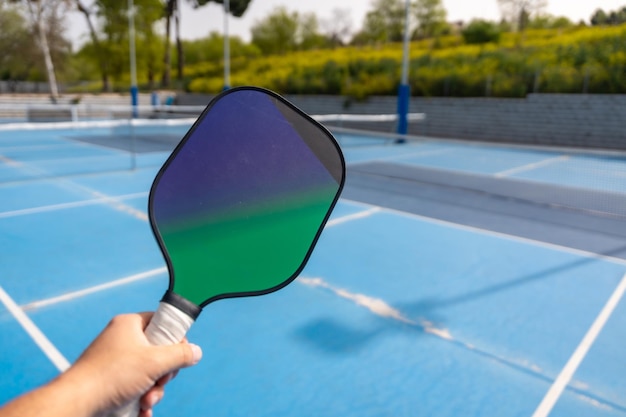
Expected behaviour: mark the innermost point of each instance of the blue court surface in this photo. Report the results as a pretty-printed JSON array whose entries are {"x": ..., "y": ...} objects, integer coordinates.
[{"x": 453, "y": 279}]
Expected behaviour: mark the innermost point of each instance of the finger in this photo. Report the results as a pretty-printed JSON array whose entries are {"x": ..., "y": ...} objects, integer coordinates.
[
  {"x": 164, "y": 379},
  {"x": 151, "y": 398},
  {"x": 167, "y": 378},
  {"x": 145, "y": 317},
  {"x": 179, "y": 355}
]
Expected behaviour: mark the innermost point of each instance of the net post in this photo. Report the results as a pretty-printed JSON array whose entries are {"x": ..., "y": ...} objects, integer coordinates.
[
  {"x": 134, "y": 101},
  {"x": 404, "y": 92},
  {"x": 133, "y": 60}
]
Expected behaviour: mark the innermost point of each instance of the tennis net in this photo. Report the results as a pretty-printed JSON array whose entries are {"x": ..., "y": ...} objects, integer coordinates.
[
  {"x": 39, "y": 141},
  {"x": 45, "y": 113},
  {"x": 54, "y": 149}
]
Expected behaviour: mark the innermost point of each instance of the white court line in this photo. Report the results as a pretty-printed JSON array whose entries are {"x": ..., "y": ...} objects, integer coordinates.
[
  {"x": 85, "y": 158},
  {"x": 10, "y": 162},
  {"x": 93, "y": 124},
  {"x": 153, "y": 272},
  {"x": 81, "y": 293},
  {"x": 501, "y": 235},
  {"x": 400, "y": 157},
  {"x": 532, "y": 166},
  {"x": 377, "y": 306},
  {"x": 38, "y": 147},
  {"x": 559, "y": 384},
  {"x": 63, "y": 206},
  {"x": 354, "y": 216},
  {"x": 419, "y": 153},
  {"x": 59, "y": 361},
  {"x": 33, "y": 331},
  {"x": 112, "y": 202}
]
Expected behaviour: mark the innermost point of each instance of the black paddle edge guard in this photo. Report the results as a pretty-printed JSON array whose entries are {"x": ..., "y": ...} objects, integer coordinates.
[{"x": 182, "y": 304}]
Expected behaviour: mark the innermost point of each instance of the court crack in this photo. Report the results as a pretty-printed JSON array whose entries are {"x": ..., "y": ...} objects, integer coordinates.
[{"x": 382, "y": 309}]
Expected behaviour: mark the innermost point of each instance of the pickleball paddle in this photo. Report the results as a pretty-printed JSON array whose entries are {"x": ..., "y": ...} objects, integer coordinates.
[{"x": 239, "y": 205}]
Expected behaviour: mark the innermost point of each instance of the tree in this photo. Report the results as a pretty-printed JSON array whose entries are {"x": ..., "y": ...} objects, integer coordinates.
[
  {"x": 172, "y": 10},
  {"x": 236, "y": 7},
  {"x": 374, "y": 30},
  {"x": 614, "y": 17},
  {"x": 546, "y": 21},
  {"x": 277, "y": 32},
  {"x": 97, "y": 46},
  {"x": 308, "y": 34},
  {"x": 519, "y": 12},
  {"x": 284, "y": 31},
  {"x": 617, "y": 17},
  {"x": 40, "y": 15},
  {"x": 211, "y": 49},
  {"x": 431, "y": 18},
  {"x": 480, "y": 31},
  {"x": 171, "y": 7},
  {"x": 113, "y": 21},
  {"x": 149, "y": 12},
  {"x": 599, "y": 18},
  {"x": 16, "y": 44},
  {"x": 384, "y": 23},
  {"x": 339, "y": 27}
]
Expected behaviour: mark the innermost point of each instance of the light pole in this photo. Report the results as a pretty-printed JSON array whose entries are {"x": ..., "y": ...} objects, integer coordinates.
[
  {"x": 226, "y": 46},
  {"x": 134, "y": 91},
  {"x": 404, "y": 91}
]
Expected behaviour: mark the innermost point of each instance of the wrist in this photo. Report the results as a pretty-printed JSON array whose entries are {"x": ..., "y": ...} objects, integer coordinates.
[
  {"x": 81, "y": 390},
  {"x": 63, "y": 396}
]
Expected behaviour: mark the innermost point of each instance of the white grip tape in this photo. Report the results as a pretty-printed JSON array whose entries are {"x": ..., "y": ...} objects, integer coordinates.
[{"x": 168, "y": 326}]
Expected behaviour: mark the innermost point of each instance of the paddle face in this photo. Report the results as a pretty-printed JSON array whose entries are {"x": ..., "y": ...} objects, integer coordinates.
[{"x": 241, "y": 201}]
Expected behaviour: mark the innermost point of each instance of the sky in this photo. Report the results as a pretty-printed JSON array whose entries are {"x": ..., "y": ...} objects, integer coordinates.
[{"x": 199, "y": 23}]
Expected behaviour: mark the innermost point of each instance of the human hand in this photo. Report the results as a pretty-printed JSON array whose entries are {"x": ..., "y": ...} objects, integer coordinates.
[
  {"x": 119, "y": 367},
  {"x": 122, "y": 366}
]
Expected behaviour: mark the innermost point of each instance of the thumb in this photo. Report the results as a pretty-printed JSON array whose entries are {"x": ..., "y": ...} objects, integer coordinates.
[{"x": 179, "y": 355}]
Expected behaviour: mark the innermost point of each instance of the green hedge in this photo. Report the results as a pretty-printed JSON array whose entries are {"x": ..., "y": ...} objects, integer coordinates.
[{"x": 573, "y": 60}]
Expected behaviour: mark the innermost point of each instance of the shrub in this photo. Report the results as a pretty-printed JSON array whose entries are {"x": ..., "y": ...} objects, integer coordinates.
[{"x": 555, "y": 60}]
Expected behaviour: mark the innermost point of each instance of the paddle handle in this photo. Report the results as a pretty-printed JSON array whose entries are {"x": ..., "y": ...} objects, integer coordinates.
[{"x": 168, "y": 326}]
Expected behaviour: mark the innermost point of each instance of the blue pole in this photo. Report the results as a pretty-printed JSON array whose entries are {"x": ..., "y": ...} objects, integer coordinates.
[
  {"x": 134, "y": 91},
  {"x": 404, "y": 91},
  {"x": 134, "y": 99}
]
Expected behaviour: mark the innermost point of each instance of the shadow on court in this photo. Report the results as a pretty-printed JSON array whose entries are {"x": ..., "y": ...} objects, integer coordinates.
[
  {"x": 332, "y": 337},
  {"x": 329, "y": 336}
]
